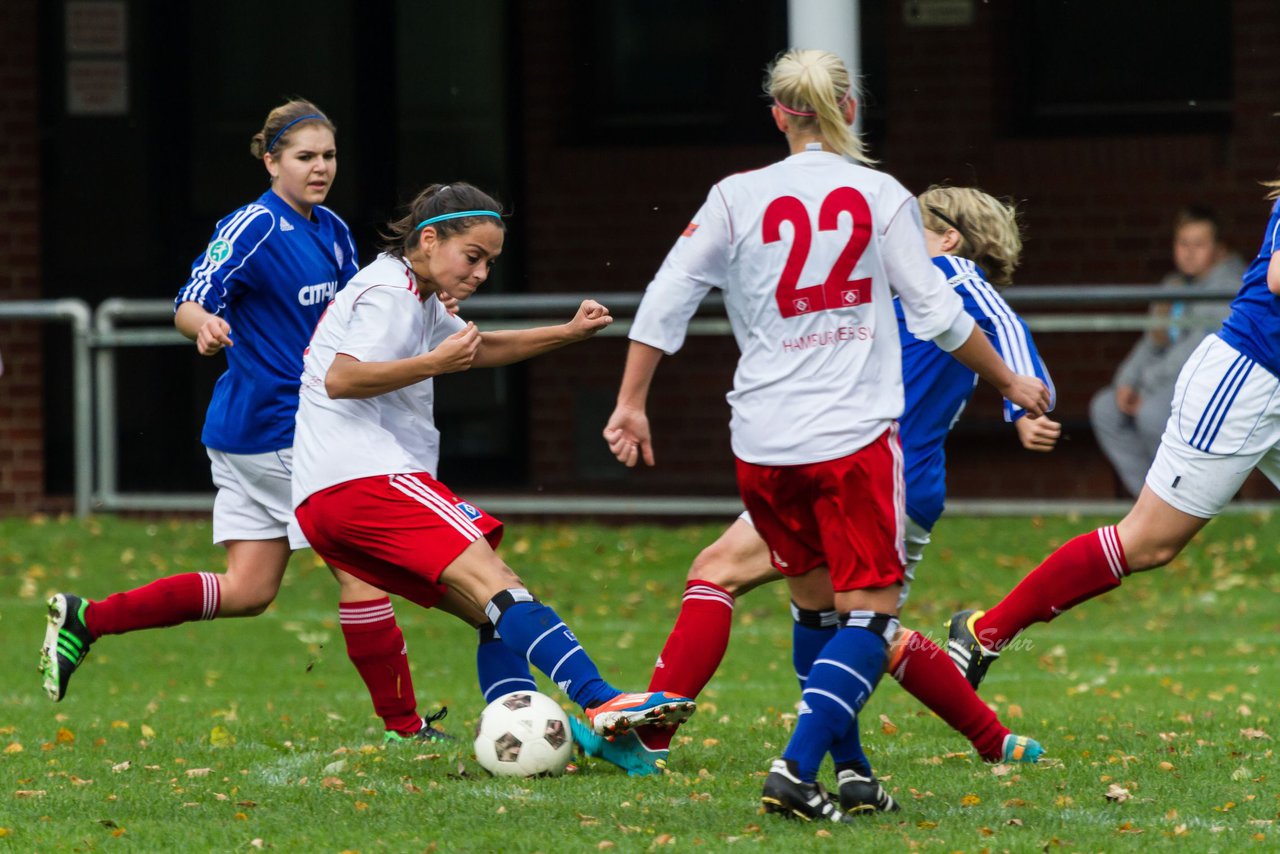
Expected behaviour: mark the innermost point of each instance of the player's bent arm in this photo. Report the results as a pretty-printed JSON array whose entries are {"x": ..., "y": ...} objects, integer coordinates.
[
  {"x": 210, "y": 332},
  {"x": 1273, "y": 274},
  {"x": 507, "y": 346},
  {"x": 348, "y": 377},
  {"x": 977, "y": 354}
]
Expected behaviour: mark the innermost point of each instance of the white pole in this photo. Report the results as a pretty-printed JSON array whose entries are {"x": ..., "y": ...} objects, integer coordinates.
[{"x": 828, "y": 25}]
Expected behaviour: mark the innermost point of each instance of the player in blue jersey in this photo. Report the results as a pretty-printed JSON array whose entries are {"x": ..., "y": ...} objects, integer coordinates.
[
  {"x": 256, "y": 294},
  {"x": 1224, "y": 423},
  {"x": 974, "y": 239}
]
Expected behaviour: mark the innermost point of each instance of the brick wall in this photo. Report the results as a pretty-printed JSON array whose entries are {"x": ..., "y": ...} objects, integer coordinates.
[
  {"x": 21, "y": 408},
  {"x": 1097, "y": 210}
]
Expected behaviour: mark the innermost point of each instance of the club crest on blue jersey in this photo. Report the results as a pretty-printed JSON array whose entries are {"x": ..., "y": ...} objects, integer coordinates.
[
  {"x": 218, "y": 250},
  {"x": 469, "y": 510}
]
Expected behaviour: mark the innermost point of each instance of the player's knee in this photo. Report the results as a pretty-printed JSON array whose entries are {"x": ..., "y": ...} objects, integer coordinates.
[
  {"x": 241, "y": 599},
  {"x": 719, "y": 566},
  {"x": 1151, "y": 555}
]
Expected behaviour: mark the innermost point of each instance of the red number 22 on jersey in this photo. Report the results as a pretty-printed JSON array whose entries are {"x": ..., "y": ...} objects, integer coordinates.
[{"x": 839, "y": 290}]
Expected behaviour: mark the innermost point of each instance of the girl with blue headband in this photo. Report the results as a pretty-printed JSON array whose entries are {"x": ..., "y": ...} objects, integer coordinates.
[
  {"x": 364, "y": 477},
  {"x": 255, "y": 294}
]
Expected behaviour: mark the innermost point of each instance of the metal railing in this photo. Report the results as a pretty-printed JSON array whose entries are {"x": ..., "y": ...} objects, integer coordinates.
[
  {"x": 76, "y": 313},
  {"x": 96, "y": 390}
]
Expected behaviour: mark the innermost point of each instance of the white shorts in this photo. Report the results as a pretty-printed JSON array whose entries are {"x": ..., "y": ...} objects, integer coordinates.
[
  {"x": 1225, "y": 422},
  {"x": 255, "y": 498}
]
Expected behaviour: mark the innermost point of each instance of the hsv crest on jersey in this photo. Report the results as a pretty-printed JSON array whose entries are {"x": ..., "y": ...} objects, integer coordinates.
[
  {"x": 851, "y": 297},
  {"x": 689, "y": 230},
  {"x": 219, "y": 250},
  {"x": 802, "y": 305},
  {"x": 469, "y": 509}
]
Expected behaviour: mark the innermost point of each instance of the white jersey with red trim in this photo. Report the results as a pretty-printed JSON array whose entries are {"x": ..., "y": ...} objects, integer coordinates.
[
  {"x": 377, "y": 317},
  {"x": 809, "y": 252}
]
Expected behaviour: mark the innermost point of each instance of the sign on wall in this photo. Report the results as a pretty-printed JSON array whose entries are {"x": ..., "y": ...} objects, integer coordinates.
[{"x": 97, "y": 57}]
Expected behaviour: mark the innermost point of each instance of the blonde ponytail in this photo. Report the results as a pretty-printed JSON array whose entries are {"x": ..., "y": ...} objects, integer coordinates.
[{"x": 813, "y": 87}]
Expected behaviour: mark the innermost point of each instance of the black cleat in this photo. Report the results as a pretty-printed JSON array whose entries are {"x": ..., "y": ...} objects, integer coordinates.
[
  {"x": 792, "y": 798},
  {"x": 861, "y": 795},
  {"x": 427, "y": 735},
  {"x": 966, "y": 652},
  {"x": 66, "y": 643}
]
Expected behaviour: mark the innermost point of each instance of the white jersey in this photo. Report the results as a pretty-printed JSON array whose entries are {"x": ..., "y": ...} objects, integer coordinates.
[
  {"x": 377, "y": 317},
  {"x": 809, "y": 252}
]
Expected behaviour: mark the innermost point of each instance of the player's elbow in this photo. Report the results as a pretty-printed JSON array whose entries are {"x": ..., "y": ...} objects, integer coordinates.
[{"x": 337, "y": 385}]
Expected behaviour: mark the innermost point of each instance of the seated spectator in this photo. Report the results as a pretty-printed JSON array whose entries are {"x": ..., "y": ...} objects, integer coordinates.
[{"x": 1129, "y": 415}]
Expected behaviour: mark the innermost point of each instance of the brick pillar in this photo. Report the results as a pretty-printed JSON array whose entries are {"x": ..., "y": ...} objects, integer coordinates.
[{"x": 21, "y": 405}]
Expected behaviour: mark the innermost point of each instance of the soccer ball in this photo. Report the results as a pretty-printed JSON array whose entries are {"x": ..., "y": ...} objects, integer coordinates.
[{"x": 523, "y": 734}]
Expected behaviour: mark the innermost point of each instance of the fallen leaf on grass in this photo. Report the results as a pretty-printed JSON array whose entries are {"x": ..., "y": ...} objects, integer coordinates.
[
  {"x": 970, "y": 800},
  {"x": 198, "y": 772},
  {"x": 824, "y": 834},
  {"x": 122, "y": 766},
  {"x": 332, "y": 783},
  {"x": 147, "y": 732},
  {"x": 30, "y": 793},
  {"x": 15, "y": 747},
  {"x": 664, "y": 839},
  {"x": 219, "y": 736},
  {"x": 603, "y": 844},
  {"x": 1252, "y": 732},
  {"x": 887, "y": 726},
  {"x": 1128, "y": 827},
  {"x": 1117, "y": 793},
  {"x": 65, "y": 736}
]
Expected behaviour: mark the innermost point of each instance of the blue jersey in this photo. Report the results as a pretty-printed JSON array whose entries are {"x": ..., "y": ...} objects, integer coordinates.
[
  {"x": 270, "y": 274},
  {"x": 938, "y": 387},
  {"x": 1253, "y": 327}
]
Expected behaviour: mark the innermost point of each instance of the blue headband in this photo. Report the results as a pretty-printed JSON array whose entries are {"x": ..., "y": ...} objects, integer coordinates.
[
  {"x": 455, "y": 215},
  {"x": 280, "y": 133}
]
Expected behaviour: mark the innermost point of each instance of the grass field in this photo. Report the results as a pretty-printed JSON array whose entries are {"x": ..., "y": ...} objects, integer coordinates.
[{"x": 246, "y": 734}]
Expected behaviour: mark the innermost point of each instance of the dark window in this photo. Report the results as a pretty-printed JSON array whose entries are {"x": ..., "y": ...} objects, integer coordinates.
[
  {"x": 656, "y": 68},
  {"x": 1101, "y": 66}
]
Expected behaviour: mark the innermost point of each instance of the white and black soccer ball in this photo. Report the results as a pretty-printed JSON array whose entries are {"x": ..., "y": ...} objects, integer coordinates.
[{"x": 523, "y": 734}]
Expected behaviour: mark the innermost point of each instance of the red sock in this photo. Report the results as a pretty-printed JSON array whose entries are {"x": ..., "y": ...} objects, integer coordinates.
[
  {"x": 927, "y": 674},
  {"x": 1085, "y": 567},
  {"x": 693, "y": 651},
  {"x": 165, "y": 602},
  {"x": 376, "y": 647}
]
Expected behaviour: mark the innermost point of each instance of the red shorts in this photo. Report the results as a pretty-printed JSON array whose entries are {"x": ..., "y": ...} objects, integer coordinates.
[
  {"x": 847, "y": 514},
  {"x": 397, "y": 532}
]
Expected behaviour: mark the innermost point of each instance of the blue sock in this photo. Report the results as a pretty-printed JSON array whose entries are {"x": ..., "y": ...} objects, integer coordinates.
[
  {"x": 811, "y": 630},
  {"x": 500, "y": 670},
  {"x": 533, "y": 630},
  {"x": 840, "y": 682}
]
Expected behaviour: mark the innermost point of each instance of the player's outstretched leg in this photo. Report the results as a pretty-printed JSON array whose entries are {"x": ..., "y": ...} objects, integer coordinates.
[
  {"x": 66, "y": 643},
  {"x": 535, "y": 631},
  {"x": 628, "y": 751},
  {"x": 926, "y": 673},
  {"x": 1083, "y": 568}
]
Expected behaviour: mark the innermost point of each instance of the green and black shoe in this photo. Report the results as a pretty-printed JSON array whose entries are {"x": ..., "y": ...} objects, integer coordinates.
[
  {"x": 427, "y": 735},
  {"x": 66, "y": 643}
]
